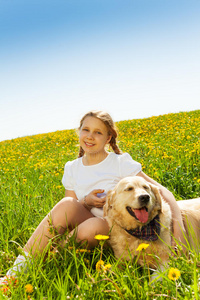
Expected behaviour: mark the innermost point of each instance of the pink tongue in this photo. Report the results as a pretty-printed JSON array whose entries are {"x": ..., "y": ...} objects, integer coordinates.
[{"x": 141, "y": 214}]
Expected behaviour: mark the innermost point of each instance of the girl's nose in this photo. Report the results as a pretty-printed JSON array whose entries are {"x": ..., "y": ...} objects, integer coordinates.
[{"x": 90, "y": 135}]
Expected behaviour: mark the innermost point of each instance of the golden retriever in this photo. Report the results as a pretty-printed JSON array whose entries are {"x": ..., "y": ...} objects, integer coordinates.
[{"x": 136, "y": 214}]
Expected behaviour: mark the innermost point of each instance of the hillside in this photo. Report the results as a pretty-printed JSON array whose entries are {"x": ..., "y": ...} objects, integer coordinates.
[{"x": 31, "y": 170}]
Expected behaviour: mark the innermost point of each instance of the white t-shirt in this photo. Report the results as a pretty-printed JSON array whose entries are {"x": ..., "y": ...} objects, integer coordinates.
[{"x": 104, "y": 175}]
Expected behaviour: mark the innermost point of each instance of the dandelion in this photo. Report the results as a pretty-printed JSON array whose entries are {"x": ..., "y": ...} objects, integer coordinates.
[
  {"x": 86, "y": 261},
  {"x": 59, "y": 187},
  {"x": 142, "y": 246},
  {"x": 174, "y": 274},
  {"x": 29, "y": 288},
  {"x": 101, "y": 237},
  {"x": 106, "y": 267},
  {"x": 99, "y": 265},
  {"x": 84, "y": 250}
]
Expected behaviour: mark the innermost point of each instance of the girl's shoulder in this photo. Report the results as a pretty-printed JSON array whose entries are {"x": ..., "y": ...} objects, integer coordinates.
[
  {"x": 120, "y": 157},
  {"x": 72, "y": 163}
]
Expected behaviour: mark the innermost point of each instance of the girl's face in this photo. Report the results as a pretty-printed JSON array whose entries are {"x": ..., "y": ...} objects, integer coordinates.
[{"x": 93, "y": 136}]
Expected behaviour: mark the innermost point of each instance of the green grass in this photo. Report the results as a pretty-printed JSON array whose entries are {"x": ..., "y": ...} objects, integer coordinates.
[{"x": 31, "y": 170}]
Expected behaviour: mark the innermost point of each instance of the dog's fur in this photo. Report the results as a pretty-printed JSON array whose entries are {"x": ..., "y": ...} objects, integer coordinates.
[{"x": 137, "y": 194}]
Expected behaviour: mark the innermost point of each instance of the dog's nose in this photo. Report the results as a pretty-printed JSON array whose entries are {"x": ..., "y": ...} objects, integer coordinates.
[{"x": 144, "y": 199}]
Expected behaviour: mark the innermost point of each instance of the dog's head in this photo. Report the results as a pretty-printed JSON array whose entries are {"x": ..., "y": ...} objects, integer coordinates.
[{"x": 133, "y": 202}]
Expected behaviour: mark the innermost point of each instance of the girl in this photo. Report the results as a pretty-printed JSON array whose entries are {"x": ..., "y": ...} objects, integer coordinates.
[{"x": 87, "y": 179}]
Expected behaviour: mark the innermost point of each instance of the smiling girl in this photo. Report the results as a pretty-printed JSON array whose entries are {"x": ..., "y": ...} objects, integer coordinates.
[{"x": 87, "y": 179}]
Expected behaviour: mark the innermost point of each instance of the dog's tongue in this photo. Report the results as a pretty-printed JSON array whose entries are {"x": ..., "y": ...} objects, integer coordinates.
[{"x": 141, "y": 214}]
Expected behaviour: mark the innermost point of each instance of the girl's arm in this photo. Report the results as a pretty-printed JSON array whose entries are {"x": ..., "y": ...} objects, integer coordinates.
[
  {"x": 178, "y": 226},
  {"x": 90, "y": 200},
  {"x": 69, "y": 193}
]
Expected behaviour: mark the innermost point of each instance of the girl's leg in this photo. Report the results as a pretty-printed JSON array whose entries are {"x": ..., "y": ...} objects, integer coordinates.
[
  {"x": 87, "y": 230},
  {"x": 67, "y": 213}
]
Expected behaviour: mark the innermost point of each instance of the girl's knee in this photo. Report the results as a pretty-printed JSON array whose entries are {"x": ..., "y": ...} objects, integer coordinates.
[
  {"x": 64, "y": 209},
  {"x": 87, "y": 230},
  {"x": 64, "y": 205},
  {"x": 65, "y": 201}
]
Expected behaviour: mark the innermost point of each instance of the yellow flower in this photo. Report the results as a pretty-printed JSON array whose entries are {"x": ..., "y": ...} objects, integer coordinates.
[
  {"x": 99, "y": 265},
  {"x": 86, "y": 261},
  {"x": 84, "y": 250},
  {"x": 29, "y": 288},
  {"x": 174, "y": 274},
  {"x": 101, "y": 237},
  {"x": 142, "y": 246},
  {"x": 106, "y": 267}
]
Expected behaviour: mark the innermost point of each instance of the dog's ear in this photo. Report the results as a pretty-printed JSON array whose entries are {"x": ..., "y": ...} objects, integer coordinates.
[
  {"x": 156, "y": 192},
  {"x": 109, "y": 202}
]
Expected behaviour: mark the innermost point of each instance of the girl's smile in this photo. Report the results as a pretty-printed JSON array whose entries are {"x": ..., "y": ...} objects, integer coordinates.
[{"x": 89, "y": 145}]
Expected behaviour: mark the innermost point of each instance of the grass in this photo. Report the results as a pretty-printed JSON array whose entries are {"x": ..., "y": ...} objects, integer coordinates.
[{"x": 31, "y": 170}]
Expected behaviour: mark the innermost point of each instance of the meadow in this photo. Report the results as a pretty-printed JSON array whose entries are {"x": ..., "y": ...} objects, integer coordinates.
[{"x": 31, "y": 170}]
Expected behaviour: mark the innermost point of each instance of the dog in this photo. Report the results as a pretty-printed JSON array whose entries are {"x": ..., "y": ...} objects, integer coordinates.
[{"x": 136, "y": 214}]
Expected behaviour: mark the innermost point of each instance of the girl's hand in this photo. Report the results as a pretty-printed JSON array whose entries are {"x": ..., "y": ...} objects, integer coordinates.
[{"x": 93, "y": 200}]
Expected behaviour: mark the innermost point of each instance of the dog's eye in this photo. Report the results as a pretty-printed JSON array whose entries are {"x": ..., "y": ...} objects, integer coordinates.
[
  {"x": 145, "y": 187},
  {"x": 130, "y": 188}
]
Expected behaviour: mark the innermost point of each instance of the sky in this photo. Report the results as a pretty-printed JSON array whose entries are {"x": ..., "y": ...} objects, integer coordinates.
[{"x": 61, "y": 58}]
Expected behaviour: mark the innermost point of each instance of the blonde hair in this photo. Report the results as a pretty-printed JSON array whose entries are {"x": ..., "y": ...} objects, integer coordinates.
[{"x": 108, "y": 121}]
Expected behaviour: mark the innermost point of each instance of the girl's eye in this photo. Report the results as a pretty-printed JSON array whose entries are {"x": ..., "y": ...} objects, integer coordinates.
[
  {"x": 84, "y": 129},
  {"x": 98, "y": 132}
]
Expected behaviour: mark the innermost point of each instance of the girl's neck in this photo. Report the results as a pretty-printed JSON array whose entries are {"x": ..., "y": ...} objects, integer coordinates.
[{"x": 93, "y": 159}]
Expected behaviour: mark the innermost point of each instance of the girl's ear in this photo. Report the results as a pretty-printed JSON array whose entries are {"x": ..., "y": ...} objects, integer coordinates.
[{"x": 109, "y": 139}]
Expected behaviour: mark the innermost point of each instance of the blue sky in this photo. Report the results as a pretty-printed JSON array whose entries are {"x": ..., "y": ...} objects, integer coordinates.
[{"x": 61, "y": 58}]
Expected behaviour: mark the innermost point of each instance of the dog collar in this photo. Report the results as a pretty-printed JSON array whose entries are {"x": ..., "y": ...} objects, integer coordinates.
[{"x": 149, "y": 232}]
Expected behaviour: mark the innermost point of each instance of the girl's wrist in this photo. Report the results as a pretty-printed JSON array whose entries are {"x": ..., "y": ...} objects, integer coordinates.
[{"x": 85, "y": 203}]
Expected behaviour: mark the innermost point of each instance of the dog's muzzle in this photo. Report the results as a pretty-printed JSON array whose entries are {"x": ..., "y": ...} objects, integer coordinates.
[
  {"x": 144, "y": 199},
  {"x": 139, "y": 214}
]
